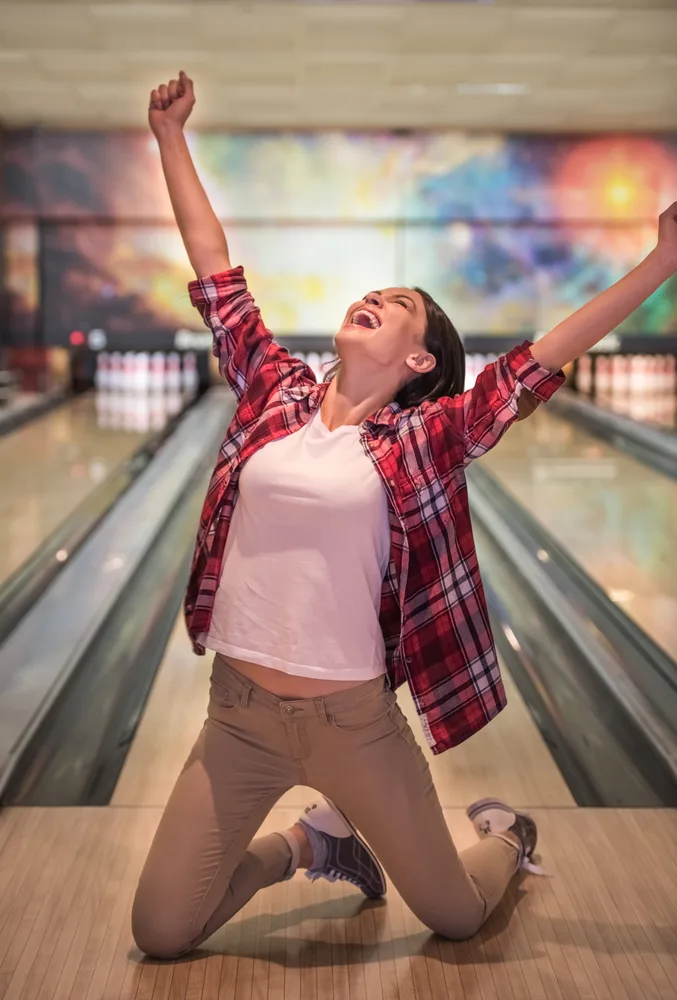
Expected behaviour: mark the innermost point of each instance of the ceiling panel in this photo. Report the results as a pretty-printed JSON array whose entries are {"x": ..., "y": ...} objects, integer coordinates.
[
  {"x": 512, "y": 64},
  {"x": 642, "y": 32}
]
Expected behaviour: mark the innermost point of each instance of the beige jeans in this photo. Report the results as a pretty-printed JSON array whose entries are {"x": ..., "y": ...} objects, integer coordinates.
[{"x": 356, "y": 748}]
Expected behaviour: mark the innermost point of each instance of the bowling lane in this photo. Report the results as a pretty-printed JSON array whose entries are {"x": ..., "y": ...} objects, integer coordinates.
[
  {"x": 613, "y": 514},
  {"x": 508, "y": 758},
  {"x": 51, "y": 464}
]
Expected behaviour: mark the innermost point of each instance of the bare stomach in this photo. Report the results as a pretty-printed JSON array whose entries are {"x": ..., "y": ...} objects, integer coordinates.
[{"x": 287, "y": 685}]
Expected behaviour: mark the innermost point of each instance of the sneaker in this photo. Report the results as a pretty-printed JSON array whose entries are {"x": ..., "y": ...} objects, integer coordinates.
[
  {"x": 495, "y": 818},
  {"x": 339, "y": 853}
]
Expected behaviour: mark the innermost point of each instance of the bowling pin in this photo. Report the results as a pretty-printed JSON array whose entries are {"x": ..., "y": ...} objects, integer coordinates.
[
  {"x": 469, "y": 366},
  {"x": 659, "y": 375},
  {"x": 173, "y": 402},
  {"x": 644, "y": 364},
  {"x": 635, "y": 374},
  {"x": 584, "y": 374},
  {"x": 664, "y": 377},
  {"x": 142, "y": 372},
  {"x": 102, "y": 374},
  {"x": 602, "y": 375},
  {"x": 102, "y": 404},
  {"x": 115, "y": 372},
  {"x": 116, "y": 402},
  {"x": 313, "y": 362},
  {"x": 157, "y": 411},
  {"x": 625, "y": 374},
  {"x": 128, "y": 409},
  {"x": 157, "y": 371},
  {"x": 189, "y": 374},
  {"x": 647, "y": 375},
  {"x": 173, "y": 372},
  {"x": 141, "y": 411},
  {"x": 614, "y": 374},
  {"x": 129, "y": 371}
]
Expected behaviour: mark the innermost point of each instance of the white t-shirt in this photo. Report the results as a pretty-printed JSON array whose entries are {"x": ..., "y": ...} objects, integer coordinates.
[{"x": 306, "y": 554}]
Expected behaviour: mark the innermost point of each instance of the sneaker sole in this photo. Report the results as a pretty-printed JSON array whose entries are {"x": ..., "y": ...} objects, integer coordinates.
[
  {"x": 479, "y": 806},
  {"x": 366, "y": 847},
  {"x": 482, "y": 804}
]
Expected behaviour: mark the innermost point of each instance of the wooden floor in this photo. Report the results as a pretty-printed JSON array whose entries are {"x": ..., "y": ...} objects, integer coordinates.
[{"x": 604, "y": 926}]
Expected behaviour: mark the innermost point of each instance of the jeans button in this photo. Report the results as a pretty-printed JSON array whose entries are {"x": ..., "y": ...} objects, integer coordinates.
[{"x": 288, "y": 709}]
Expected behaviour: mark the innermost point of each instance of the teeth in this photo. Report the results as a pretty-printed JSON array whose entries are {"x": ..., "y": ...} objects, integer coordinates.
[{"x": 373, "y": 322}]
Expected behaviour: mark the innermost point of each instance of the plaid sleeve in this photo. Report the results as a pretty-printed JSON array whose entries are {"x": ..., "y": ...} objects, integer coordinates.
[
  {"x": 241, "y": 340},
  {"x": 484, "y": 413}
]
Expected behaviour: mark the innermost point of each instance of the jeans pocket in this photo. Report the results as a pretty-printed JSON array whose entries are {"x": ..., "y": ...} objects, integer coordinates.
[
  {"x": 222, "y": 697},
  {"x": 363, "y": 716}
]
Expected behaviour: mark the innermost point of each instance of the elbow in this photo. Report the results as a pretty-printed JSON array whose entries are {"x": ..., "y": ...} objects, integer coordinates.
[
  {"x": 206, "y": 264},
  {"x": 207, "y": 256}
]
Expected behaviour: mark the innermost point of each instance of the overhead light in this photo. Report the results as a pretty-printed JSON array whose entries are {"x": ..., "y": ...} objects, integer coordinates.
[
  {"x": 113, "y": 563},
  {"x": 512, "y": 638},
  {"x": 621, "y": 596},
  {"x": 499, "y": 89},
  {"x": 187, "y": 57}
]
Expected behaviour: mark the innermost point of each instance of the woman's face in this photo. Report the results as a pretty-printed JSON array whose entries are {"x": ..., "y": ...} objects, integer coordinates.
[{"x": 387, "y": 328}]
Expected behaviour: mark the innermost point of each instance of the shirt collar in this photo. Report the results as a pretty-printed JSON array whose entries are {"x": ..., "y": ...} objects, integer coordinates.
[{"x": 387, "y": 415}]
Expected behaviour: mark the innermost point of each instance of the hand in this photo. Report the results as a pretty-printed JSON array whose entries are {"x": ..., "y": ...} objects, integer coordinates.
[
  {"x": 667, "y": 235},
  {"x": 171, "y": 103}
]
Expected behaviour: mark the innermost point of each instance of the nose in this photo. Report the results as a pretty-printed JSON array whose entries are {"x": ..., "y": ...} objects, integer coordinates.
[{"x": 373, "y": 299}]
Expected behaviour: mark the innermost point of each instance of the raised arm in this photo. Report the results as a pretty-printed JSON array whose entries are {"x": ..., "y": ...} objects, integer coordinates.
[
  {"x": 245, "y": 348},
  {"x": 516, "y": 383},
  {"x": 593, "y": 321},
  {"x": 201, "y": 231}
]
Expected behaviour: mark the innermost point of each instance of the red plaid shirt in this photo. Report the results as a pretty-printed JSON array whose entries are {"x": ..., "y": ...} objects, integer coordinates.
[{"x": 433, "y": 611}]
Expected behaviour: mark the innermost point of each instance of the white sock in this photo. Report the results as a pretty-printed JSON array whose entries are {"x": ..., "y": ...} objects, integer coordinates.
[{"x": 294, "y": 847}]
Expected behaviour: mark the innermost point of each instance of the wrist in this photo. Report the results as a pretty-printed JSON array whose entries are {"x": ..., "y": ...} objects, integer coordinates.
[
  {"x": 664, "y": 259},
  {"x": 167, "y": 130}
]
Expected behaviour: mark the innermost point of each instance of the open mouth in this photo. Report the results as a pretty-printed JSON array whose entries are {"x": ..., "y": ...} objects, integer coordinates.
[{"x": 366, "y": 319}]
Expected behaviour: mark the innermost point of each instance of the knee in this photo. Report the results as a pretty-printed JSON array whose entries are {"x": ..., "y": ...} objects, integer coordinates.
[
  {"x": 156, "y": 934},
  {"x": 456, "y": 926}
]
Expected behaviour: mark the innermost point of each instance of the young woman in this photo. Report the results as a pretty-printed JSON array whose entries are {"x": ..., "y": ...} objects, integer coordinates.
[{"x": 335, "y": 561}]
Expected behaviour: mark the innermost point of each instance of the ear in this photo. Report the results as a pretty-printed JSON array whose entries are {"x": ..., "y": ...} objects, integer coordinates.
[{"x": 421, "y": 363}]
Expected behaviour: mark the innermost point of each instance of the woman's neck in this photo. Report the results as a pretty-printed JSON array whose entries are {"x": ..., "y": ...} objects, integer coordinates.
[{"x": 347, "y": 405}]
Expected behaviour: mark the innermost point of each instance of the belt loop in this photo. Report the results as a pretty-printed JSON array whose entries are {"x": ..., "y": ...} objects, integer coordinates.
[
  {"x": 244, "y": 695},
  {"x": 321, "y": 710},
  {"x": 388, "y": 683}
]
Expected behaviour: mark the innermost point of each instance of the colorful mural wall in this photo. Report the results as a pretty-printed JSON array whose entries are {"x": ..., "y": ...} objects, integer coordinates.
[{"x": 510, "y": 234}]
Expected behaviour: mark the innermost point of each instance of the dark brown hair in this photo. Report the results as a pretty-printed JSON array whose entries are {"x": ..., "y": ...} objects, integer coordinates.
[{"x": 442, "y": 340}]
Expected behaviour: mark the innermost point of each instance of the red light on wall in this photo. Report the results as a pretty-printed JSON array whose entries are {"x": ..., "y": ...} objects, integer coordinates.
[{"x": 77, "y": 338}]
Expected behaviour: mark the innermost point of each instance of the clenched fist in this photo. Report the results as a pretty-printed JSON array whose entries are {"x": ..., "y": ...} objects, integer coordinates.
[{"x": 171, "y": 103}]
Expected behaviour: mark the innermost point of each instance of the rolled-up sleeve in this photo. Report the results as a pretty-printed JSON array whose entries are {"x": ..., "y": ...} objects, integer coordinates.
[
  {"x": 483, "y": 414},
  {"x": 241, "y": 340}
]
